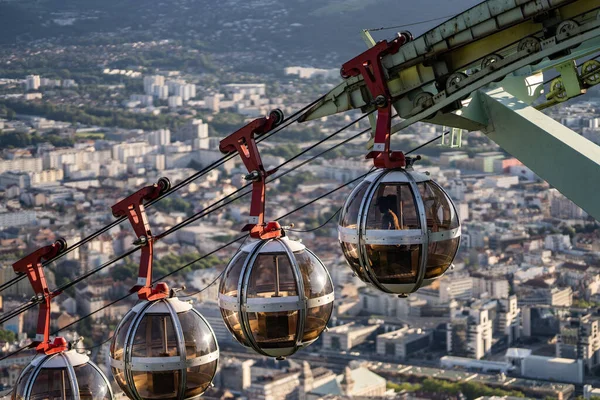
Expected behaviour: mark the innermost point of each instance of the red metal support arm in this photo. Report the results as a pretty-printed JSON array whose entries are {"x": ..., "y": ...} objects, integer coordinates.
[
  {"x": 31, "y": 266},
  {"x": 132, "y": 207},
  {"x": 369, "y": 65},
  {"x": 243, "y": 142}
]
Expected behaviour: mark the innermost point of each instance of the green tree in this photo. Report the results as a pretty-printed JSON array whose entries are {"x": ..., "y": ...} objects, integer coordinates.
[{"x": 7, "y": 336}]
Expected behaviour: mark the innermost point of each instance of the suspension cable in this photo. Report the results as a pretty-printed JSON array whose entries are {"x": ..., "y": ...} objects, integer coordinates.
[
  {"x": 206, "y": 255},
  {"x": 384, "y": 28},
  {"x": 286, "y": 123},
  {"x": 209, "y": 209},
  {"x": 203, "y": 213},
  {"x": 320, "y": 226},
  {"x": 218, "y": 276}
]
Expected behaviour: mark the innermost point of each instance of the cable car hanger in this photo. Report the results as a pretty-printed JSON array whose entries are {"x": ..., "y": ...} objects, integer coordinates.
[
  {"x": 132, "y": 207},
  {"x": 368, "y": 64},
  {"x": 243, "y": 141},
  {"x": 31, "y": 266}
]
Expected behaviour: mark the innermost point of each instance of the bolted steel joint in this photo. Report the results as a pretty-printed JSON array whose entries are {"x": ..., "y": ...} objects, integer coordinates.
[
  {"x": 141, "y": 241},
  {"x": 252, "y": 176},
  {"x": 380, "y": 101}
]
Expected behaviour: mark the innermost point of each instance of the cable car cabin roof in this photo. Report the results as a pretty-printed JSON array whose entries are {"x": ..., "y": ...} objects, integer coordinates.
[
  {"x": 397, "y": 176},
  {"x": 274, "y": 246},
  {"x": 72, "y": 357},
  {"x": 161, "y": 308}
]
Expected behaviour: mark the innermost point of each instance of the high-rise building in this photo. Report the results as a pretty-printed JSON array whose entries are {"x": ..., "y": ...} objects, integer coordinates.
[
  {"x": 194, "y": 129},
  {"x": 469, "y": 334},
  {"x": 562, "y": 207},
  {"x": 161, "y": 137},
  {"x": 162, "y": 92},
  {"x": 151, "y": 81},
  {"x": 175, "y": 101},
  {"x": 213, "y": 102},
  {"x": 32, "y": 82},
  {"x": 508, "y": 319},
  {"x": 579, "y": 339},
  {"x": 182, "y": 89}
]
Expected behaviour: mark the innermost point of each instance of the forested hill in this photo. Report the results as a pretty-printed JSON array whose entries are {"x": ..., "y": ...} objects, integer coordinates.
[{"x": 318, "y": 32}]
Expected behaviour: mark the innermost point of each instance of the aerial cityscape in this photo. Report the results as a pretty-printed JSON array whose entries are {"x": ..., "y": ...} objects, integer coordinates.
[{"x": 466, "y": 267}]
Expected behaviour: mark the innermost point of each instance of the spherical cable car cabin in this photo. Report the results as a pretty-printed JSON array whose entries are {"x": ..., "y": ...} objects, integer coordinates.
[
  {"x": 63, "y": 375},
  {"x": 163, "y": 348},
  {"x": 399, "y": 230},
  {"x": 276, "y": 296}
]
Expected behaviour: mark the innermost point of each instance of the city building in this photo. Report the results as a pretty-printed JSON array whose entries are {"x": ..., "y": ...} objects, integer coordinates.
[
  {"x": 32, "y": 82},
  {"x": 161, "y": 137},
  {"x": 146, "y": 100},
  {"x": 175, "y": 101},
  {"x": 470, "y": 333},
  {"x": 282, "y": 385},
  {"x": 546, "y": 368},
  {"x": 152, "y": 81},
  {"x": 455, "y": 286},
  {"x": 344, "y": 337},
  {"x": 161, "y": 92},
  {"x": 353, "y": 383},
  {"x": 310, "y": 73},
  {"x": 484, "y": 162},
  {"x": 578, "y": 339},
  {"x": 402, "y": 343},
  {"x": 508, "y": 319},
  {"x": 194, "y": 129},
  {"x": 562, "y": 207},
  {"x": 494, "y": 287}
]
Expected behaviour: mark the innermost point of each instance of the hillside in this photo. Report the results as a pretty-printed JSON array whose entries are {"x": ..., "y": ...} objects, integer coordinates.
[{"x": 315, "y": 32}]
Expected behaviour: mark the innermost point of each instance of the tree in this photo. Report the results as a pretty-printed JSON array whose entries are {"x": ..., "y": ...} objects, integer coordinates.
[{"x": 7, "y": 336}]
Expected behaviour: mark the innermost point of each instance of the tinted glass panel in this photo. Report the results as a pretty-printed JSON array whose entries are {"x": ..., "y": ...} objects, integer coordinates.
[
  {"x": 232, "y": 321},
  {"x": 274, "y": 329},
  {"x": 395, "y": 264},
  {"x": 272, "y": 276},
  {"x": 351, "y": 253},
  {"x": 314, "y": 275},
  {"x": 162, "y": 385},
  {"x": 92, "y": 385},
  {"x": 393, "y": 208},
  {"x": 52, "y": 384},
  {"x": 199, "y": 378},
  {"x": 316, "y": 321},
  {"x": 349, "y": 216},
  {"x": 440, "y": 257},
  {"x": 155, "y": 337},
  {"x": 119, "y": 376},
  {"x": 118, "y": 343},
  {"x": 199, "y": 340},
  {"x": 22, "y": 381},
  {"x": 229, "y": 284},
  {"x": 440, "y": 212}
]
